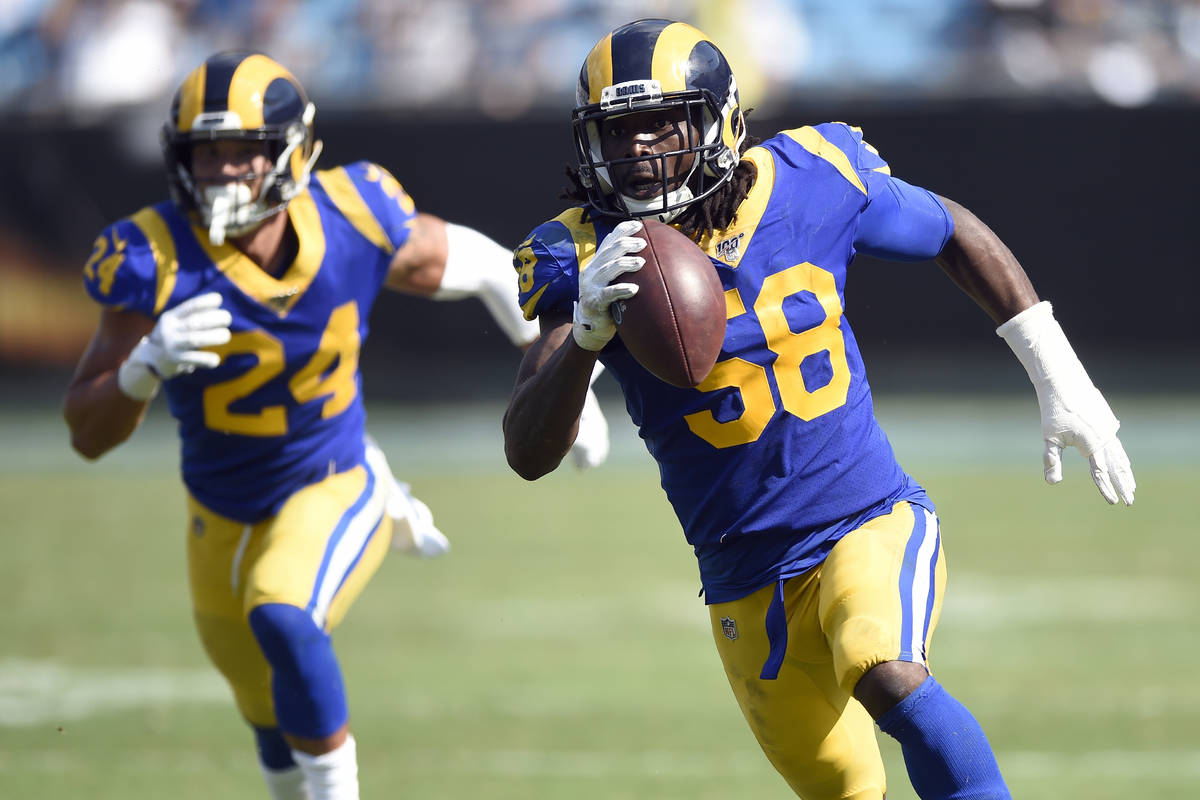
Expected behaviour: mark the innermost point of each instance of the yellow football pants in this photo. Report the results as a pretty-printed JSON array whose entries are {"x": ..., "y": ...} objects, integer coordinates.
[
  {"x": 317, "y": 553},
  {"x": 876, "y": 598}
]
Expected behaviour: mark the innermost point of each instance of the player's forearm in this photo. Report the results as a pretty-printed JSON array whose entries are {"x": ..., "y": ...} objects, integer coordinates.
[
  {"x": 981, "y": 265},
  {"x": 100, "y": 416},
  {"x": 542, "y": 419}
]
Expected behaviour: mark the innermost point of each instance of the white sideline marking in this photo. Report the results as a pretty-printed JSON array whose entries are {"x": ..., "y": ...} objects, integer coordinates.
[{"x": 41, "y": 692}]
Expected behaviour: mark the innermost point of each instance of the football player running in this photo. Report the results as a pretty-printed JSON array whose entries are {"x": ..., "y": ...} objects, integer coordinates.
[
  {"x": 245, "y": 300},
  {"x": 820, "y": 558}
]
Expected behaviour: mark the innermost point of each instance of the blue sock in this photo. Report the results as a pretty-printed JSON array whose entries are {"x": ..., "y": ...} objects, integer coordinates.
[
  {"x": 273, "y": 750},
  {"x": 306, "y": 682},
  {"x": 946, "y": 752}
]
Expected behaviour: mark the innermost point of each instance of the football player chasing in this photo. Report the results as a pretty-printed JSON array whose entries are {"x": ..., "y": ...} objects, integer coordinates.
[
  {"x": 245, "y": 300},
  {"x": 821, "y": 559}
]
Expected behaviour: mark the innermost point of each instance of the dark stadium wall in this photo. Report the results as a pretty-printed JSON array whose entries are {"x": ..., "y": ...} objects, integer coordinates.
[{"x": 1096, "y": 202}]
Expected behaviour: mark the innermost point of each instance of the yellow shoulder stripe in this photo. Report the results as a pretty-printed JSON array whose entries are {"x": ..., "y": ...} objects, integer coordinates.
[
  {"x": 162, "y": 245},
  {"x": 349, "y": 201},
  {"x": 749, "y": 214},
  {"x": 583, "y": 235},
  {"x": 811, "y": 140}
]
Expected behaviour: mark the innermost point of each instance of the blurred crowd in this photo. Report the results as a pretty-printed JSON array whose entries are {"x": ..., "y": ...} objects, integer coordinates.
[{"x": 506, "y": 58}]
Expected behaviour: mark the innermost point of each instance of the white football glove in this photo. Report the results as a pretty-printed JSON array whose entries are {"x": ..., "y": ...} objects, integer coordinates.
[
  {"x": 594, "y": 325},
  {"x": 1074, "y": 413},
  {"x": 173, "y": 347},
  {"x": 413, "y": 531}
]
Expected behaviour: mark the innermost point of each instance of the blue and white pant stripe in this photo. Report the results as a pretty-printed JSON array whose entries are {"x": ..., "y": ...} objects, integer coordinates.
[{"x": 918, "y": 585}]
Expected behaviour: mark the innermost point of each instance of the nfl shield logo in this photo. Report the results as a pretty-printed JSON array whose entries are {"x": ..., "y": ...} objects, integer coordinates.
[{"x": 729, "y": 628}]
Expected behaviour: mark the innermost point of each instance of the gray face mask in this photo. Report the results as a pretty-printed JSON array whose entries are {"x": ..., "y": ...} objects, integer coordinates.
[{"x": 231, "y": 208}]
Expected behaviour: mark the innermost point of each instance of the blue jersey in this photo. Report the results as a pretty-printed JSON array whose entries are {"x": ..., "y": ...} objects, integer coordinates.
[
  {"x": 777, "y": 454},
  {"x": 284, "y": 408}
]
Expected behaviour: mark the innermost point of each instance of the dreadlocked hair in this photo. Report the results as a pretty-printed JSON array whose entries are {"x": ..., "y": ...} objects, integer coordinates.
[{"x": 715, "y": 212}]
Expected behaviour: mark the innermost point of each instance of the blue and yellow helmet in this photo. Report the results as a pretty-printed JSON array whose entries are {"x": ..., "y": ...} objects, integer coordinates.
[
  {"x": 650, "y": 64},
  {"x": 244, "y": 96}
]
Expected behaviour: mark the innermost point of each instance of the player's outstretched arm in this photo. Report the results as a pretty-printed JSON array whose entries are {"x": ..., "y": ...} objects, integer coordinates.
[
  {"x": 983, "y": 266},
  {"x": 445, "y": 261},
  {"x": 1074, "y": 413}
]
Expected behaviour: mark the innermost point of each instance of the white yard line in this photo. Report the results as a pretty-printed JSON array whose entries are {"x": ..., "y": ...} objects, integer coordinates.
[{"x": 46, "y": 692}]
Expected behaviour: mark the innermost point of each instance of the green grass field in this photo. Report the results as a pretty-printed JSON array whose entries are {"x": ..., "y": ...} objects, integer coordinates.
[{"x": 560, "y": 651}]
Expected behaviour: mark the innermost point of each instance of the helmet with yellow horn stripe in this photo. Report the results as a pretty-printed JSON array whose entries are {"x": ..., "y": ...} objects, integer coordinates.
[
  {"x": 654, "y": 64},
  {"x": 243, "y": 96}
]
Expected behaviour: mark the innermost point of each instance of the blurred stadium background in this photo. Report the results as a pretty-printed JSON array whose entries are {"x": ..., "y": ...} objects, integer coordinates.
[{"x": 560, "y": 650}]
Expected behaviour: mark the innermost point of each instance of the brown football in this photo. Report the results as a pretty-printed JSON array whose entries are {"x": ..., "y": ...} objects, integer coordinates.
[{"x": 675, "y": 325}]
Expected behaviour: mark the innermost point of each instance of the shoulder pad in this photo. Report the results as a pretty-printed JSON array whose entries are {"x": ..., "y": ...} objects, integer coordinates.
[
  {"x": 548, "y": 262},
  {"x": 372, "y": 201},
  {"x": 841, "y": 146},
  {"x": 122, "y": 271}
]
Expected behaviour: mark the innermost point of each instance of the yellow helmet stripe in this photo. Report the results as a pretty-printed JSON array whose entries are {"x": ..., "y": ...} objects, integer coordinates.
[
  {"x": 600, "y": 68},
  {"x": 191, "y": 98},
  {"x": 249, "y": 82},
  {"x": 671, "y": 53}
]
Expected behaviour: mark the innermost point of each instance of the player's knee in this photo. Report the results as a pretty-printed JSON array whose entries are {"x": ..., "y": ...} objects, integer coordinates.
[
  {"x": 306, "y": 682},
  {"x": 286, "y": 634},
  {"x": 885, "y": 685}
]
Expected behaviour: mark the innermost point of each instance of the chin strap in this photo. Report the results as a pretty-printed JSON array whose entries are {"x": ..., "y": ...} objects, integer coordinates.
[{"x": 680, "y": 198}]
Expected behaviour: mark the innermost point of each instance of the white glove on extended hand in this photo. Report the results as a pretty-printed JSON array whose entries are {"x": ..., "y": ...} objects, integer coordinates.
[
  {"x": 594, "y": 325},
  {"x": 413, "y": 531},
  {"x": 173, "y": 347},
  {"x": 591, "y": 443},
  {"x": 1074, "y": 413}
]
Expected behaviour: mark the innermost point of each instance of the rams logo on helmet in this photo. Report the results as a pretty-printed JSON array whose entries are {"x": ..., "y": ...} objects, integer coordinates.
[
  {"x": 240, "y": 96},
  {"x": 657, "y": 64}
]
